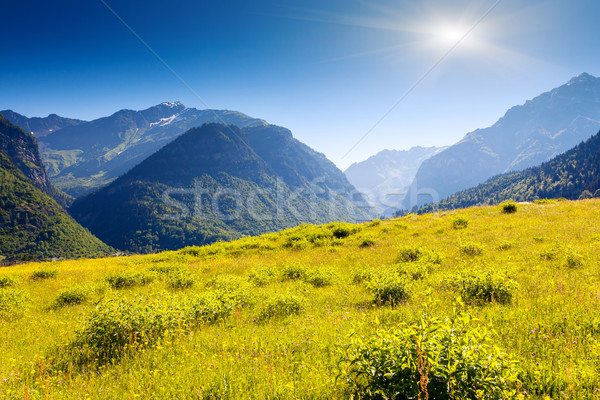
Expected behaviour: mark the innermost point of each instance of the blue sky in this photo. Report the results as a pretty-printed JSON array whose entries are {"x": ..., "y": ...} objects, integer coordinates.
[{"x": 329, "y": 71}]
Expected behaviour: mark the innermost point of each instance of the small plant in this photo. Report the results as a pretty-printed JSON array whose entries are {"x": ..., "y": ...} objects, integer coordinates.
[
  {"x": 280, "y": 306},
  {"x": 341, "y": 230},
  {"x": 460, "y": 223},
  {"x": 72, "y": 296},
  {"x": 7, "y": 281},
  {"x": 127, "y": 279},
  {"x": 319, "y": 277},
  {"x": 550, "y": 253},
  {"x": 414, "y": 254},
  {"x": 375, "y": 222},
  {"x": 181, "y": 279},
  {"x": 509, "y": 207},
  {"x": 471, "y": 249},
  {"x": 389, "y": 289},
  {"x": 295, "y": 271},
  {"x": 362, "y": 275},
  {"x": 261, "y": 276},
  {"x": 485, "y": 288},
  {"x": 44, "y": 274},
  {"x": 506, "y": 245},
  {"x": 451, "y": 358},
  {"x": 12, "y": 304},
  {"x": 573, "y": 260},
  {"x": 417, "y": 270},
  {"x": 367, "y": 242}
]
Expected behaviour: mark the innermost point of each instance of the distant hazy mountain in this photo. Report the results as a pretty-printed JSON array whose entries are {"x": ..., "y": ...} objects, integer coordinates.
[
  {"x": 525, "y": 136},
  {"x": 21, "y": 148},
  {"x": 88, "y": 155},
  {"x": 218, "y": 182},
  {"x": 38, "y": 126},
  {"x": 385, "y": 177},
  {"x": 572, "y": 175},
  {"x": 33, "y": 225}
]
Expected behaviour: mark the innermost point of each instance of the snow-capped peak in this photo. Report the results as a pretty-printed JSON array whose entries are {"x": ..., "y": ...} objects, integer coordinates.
[{"x": 172, "y": 104}]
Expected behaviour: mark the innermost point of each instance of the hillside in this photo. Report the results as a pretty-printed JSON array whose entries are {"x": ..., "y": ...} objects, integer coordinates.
[
  {"x": 214, "y": 183},
  {"x": 21, "y": 148},
  {"x": 527, "y": 135},
  {"x": 572, "y": 175},
  {"x": 323, "y": 312},
  {"x": 40, "y": 126},
  {"x": 34, "y": 226},
  {"x": 385, "y": 177},
  {"x": 91, "y": 154}
]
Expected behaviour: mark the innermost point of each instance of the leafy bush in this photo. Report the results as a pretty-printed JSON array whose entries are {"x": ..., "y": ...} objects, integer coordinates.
[
  {"x": 452, "y": 358},
  {"x": 460, "y": 223},
  {"x": 180, "y": 279},
  {"x": 509, "y": 207},
  {"x": 71, "y": 296},
  {"x": 342, "y": 230},
  {"x": 126, "y": 279},
  {"x": 7, "y": 281},
  {"x": 44, "y": 274},
  {"x": 280, "y": 306},
  {"x": 573, "y": 260},
  {"x": 295, "y": 271},
  {"x": 12, "y": 304},
  {"x": 232, "y": 288},
  {"x": 367, "y": 241},
  {"x": 166, "y": 269},
  {"x": 319, "y": 277},
  {"x": 485, "y": 287},
  {"x": 550, "y": 253},
  {"x": 471, "y": 248},
  {"x": 261, "y": 276},
  {"x": 416, "y": 270},
  {"x": 414, "y": 254},
  {"x": 375, "y": 222},
  {"x": 362, "y": 275},
  {"x": 389, "y": 288}
]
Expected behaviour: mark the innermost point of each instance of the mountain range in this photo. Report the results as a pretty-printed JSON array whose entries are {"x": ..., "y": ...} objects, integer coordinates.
[
  {"x": 32, "y": 224},
  {"x": 572, "y": 175},
  {"x": 40, "y": 126},
  {"x": 385, "y": 177},
  {"x": 525, "y": 136},
  {"x": 89, "y": 154},
  {"x": 219, "y": 182}
]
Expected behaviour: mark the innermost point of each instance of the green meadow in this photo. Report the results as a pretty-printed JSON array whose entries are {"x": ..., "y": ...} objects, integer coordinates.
[{"x": 484, "y": 303}]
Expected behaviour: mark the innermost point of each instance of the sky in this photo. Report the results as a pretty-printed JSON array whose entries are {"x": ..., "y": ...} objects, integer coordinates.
[{"x": 347, "y": 77}]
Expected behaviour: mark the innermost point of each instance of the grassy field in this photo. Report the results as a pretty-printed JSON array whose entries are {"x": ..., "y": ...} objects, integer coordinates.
[{"x": 481, "y": 303}]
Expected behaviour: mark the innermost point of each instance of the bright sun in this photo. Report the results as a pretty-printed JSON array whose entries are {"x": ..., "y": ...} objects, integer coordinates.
[{"x": 450, "y": 36}]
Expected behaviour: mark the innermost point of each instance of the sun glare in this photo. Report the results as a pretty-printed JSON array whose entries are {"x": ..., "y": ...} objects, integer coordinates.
[{"x": 450, "y": 36}]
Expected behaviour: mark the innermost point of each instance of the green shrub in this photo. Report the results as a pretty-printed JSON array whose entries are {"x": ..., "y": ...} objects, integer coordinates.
[
  {"x": 180, "y": 279},
  {"x": 7, "y": 281},
  {"x": 485, "y": 287},
  {"x": 471, "y": 249},
  {"x": 280, "y": 306},
  {"x": 414, "y": 254},
  {"x": 573, "y": 260},
  {"x": 319, "y": 277},
  {"x": 44, "y": 274},
  {"x": 509, "y": 207},
  {"x": 342, "y": 230},
  {"x": 550, "y": 253},
  {"x": 166, "y": 269},
  {"x": 294, "y": 271},
  {"x": 367, "y": 241},
  {"x": 127, "y": 279},
  {"x": 362, "y": 275},
  {"x": 375, "y": 222},
  {"x": 232, "y": 288},
  {"x": 261, "y": 276},
  {"x": 71, "y": 296},
  {"x": 460, "y": 223},
  {"x": 389, "y": 288},
  {"x": 416, "y": 270},
  {"x": 12, "y": 304},
  {"x": 452, "y": 358}
]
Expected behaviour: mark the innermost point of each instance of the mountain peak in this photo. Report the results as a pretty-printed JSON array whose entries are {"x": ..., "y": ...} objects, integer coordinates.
[
  {"x": 172, "y": 104},
  {"x": 582, "y": 78}
]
